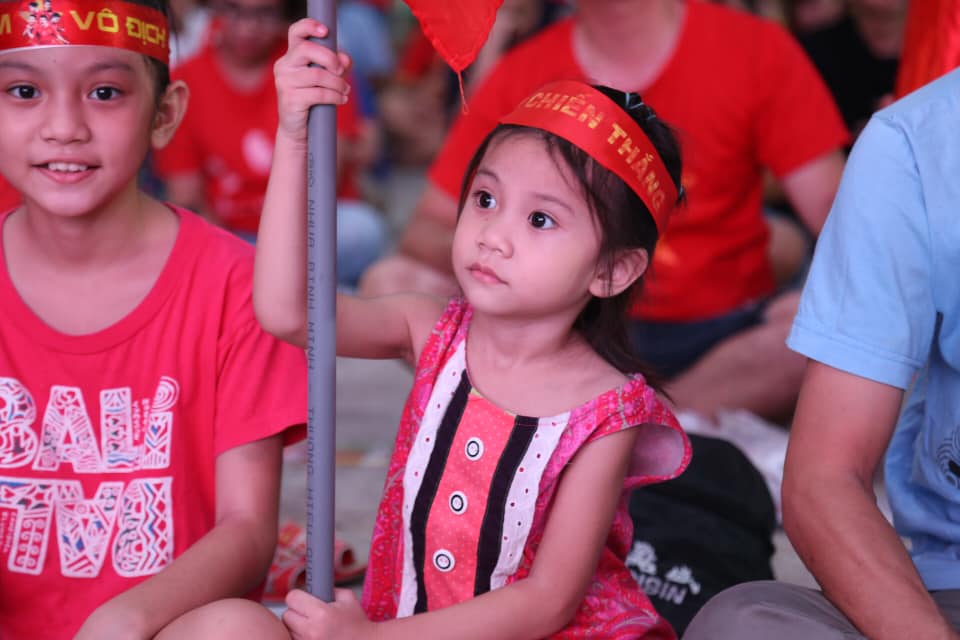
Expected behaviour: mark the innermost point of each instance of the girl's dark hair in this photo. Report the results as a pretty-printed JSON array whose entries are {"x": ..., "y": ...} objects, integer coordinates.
[{"x": 625, "y": 222}]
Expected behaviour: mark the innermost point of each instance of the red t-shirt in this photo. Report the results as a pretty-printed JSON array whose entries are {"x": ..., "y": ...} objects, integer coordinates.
[
  {"x": 228, "y": 136},
  {"x": 108, "y": 440},
  {"x": 9, "y": 197},
  {"x": 742, "y": 96}
]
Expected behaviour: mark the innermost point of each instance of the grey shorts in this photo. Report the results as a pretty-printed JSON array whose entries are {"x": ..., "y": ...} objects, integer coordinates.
[{"x": 764, "y": 610}]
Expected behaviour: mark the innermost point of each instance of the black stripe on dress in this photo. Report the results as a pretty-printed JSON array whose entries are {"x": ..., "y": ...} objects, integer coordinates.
[
  {"x": 491, "y": 531},
  {"x": 431, "y": 482}
]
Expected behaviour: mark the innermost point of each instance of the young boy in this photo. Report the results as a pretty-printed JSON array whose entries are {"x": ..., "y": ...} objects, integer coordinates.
[{"x": 142, "y": 409}]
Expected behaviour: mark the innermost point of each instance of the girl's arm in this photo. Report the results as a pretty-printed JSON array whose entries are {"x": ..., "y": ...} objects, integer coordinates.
[
  {"x": 230, "y": 560},
  {"x": 308, "y": 74},
  {"x": 395, "y": 326},
  {"x": 390, "y": 327},
  {"x": 535, "y": 607}
]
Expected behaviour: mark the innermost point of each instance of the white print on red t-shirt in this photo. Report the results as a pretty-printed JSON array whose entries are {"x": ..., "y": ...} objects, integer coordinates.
[
  {"x": 258, "y": 151},
  {"x": 137, "y": 516}
]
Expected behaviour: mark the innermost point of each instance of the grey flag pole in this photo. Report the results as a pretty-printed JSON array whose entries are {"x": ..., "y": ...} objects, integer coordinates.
[{"x": 321, "y": 326}]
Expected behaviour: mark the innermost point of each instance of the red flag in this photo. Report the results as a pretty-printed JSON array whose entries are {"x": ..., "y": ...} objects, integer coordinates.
[
  {"x": 931, "y": 43},
  {"x": 457, "y": 28}
]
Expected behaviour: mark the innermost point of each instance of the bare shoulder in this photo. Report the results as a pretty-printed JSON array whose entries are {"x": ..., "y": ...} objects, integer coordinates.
[
  {"x": 599, "y": 375},
  {"x": 586, "y": 376}
]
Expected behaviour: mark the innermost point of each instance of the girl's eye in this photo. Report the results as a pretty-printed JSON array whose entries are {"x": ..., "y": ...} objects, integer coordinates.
[
  {"x": 105, "y": 93},
  {"x": 540, "y": 220},
  {"x": 484, "y": 200},
  {"x": 23, "y": 92}
]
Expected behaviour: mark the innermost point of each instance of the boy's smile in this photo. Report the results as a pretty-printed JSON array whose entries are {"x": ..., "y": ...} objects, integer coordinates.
[{"x": 66, "y": 172}]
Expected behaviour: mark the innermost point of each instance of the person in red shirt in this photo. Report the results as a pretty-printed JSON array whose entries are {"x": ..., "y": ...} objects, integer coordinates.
[
  {"x": 743, "y": 98},
  {"x": 143, "y": 411},
  {"x": 219, "y": 160}
]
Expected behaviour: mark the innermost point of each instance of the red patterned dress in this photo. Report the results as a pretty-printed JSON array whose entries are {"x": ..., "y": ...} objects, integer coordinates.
[{"x": 469, "y": 489}]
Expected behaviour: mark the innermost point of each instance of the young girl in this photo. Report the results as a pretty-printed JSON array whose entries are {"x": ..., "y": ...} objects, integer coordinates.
[
  {"x": 140, "y": 444},
  {"x": 503, "y": 513}
]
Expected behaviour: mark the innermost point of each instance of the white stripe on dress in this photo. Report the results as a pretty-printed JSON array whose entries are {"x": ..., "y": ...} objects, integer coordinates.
[
  {"x": 522, "y": 496},
  {"x": 443, "y": 391}
]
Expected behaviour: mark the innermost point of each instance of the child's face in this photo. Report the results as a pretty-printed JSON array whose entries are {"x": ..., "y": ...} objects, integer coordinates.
[
  {"x": 526, "y": 242},
  {"x": 75, "y": 125},
  {"x": 251, "y": 29}
]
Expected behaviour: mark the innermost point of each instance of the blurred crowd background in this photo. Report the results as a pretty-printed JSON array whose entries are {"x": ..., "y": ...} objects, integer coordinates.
[
  {"x": 764, "y": 160},
  {"x": 405, "y": 98}
]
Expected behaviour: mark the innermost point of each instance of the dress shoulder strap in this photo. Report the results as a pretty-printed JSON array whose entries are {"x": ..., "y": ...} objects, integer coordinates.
[{"x": 447, "y": 334}]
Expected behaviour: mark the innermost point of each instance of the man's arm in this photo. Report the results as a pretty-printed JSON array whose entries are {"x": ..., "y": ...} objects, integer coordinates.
[
  {"x": 842, "y": 427},
  {"x": 428, "y": 237},
  {"x": 810, "y": 188}
]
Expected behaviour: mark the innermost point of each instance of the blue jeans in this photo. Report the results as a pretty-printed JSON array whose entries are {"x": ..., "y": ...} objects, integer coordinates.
[
  {"x": 672, "y": 347},
  {"x": 364, "y": 33},
  {"x": 361, "y": 239}
]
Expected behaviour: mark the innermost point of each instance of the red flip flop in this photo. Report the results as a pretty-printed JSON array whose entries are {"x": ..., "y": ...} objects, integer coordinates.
[
  {"x": 346, "y": 568},
  {"x": 289, "y": 567}
]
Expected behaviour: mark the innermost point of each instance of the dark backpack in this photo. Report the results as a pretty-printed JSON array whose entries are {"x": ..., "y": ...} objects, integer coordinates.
[{"x": 698, "y": 534}]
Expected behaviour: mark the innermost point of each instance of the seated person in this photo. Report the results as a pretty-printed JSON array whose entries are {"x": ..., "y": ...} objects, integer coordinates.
[
  {"x": 880, "y": 314},
  {"x": 761, "y": 105},
  {"x": 219, "y": 161}
]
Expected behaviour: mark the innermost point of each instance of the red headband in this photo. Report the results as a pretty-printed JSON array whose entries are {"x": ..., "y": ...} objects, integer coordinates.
[
  {"x": 105, "y": 23},
  {"x": 588, "y": 119}
]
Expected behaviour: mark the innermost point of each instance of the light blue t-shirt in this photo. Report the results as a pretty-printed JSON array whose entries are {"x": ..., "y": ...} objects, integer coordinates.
[{"x": 883, "y": 302}]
